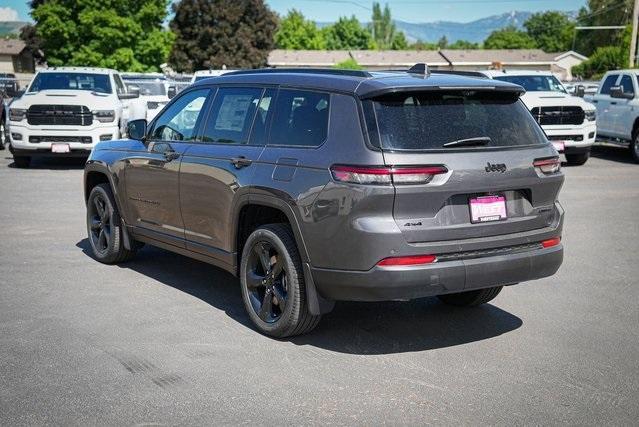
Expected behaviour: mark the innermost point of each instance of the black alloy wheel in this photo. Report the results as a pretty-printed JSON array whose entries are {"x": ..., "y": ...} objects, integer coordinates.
[
  {"x": 266, "y": 282},
  {"x": 101, "y": 220}
]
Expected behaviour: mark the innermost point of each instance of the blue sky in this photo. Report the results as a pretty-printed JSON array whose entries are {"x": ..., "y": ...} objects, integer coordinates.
[{"x": 406, "y": 10}]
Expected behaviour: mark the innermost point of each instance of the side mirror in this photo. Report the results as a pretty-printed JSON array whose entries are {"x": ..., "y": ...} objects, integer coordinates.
[
  {"x": 617, "y": 92},
  {"x": 136, "y": 129},
  {"x": 130, "y": 95},
  {"x": 580, "y": 91},
  {"x": 171, "y": 92}
]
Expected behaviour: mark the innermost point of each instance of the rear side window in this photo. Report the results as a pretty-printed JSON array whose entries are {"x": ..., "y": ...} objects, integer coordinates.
[
  {"x": 301, "y": 118},
  {"x": 428, "y": 120},
  {"x": 232, "y": 115},
  {"x": 626, "y": 84},
  {"x": 608, "y": 83}
]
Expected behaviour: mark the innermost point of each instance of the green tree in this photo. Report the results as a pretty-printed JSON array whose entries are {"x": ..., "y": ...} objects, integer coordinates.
[
  {"x": 399, "y": 41},
  {"x": 33, "y": 42},
  {"x": 421, "y": 45},
  {"x": 602, "y": 12},
  {"x": 509, "y": 38},
  {"x": 347, "y": 33},
  {"x": 382, "y": 26},
  {"x": 606, "y": 58},
  {"x": 551, "y": 31},
  {"x": 442, "y": 43},
  {"x": 296, "y": 32},
  {"x": 121, "y": 34},
  {"x": 213, "y": 33},
  {"x": 464, "y": 44},
  {"x": 348, "y": 64}
]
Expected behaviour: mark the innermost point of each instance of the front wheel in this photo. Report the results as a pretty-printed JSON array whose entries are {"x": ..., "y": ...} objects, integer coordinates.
[
  {"x": 22, "y": 161},
  {"x": 273, "y": 287},
  {"x": 3, "y": 135},
  {"x": 634, "y": 148},
  {"x": 471, "y": 298},
  {"x": 104, "y": 227},
  {"x": 577, "y": 159}
]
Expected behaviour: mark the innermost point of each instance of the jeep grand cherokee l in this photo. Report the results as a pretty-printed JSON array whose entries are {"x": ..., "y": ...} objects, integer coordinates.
[{"x": 315, "y": 186}]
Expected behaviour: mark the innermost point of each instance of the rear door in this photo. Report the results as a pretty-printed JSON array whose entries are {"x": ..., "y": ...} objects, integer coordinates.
[
  {"x": 216, "y": 170},
  {"x": 487, "y": 142}
]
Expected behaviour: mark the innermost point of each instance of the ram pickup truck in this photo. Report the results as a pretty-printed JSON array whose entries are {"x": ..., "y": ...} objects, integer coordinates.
[
  {"x": 568, "y": 121},
  {"x": 618, "y": 110},
  {"x": 66, "y": 111}
]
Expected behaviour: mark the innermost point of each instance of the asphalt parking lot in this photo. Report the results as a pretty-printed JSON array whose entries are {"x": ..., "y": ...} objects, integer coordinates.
[{"x": 165, "y": 340}]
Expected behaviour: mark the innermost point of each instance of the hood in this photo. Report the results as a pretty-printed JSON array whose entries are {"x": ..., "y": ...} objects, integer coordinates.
[
  {"x": 92, "y": 100},
  {"x": 553, "y": 99}
]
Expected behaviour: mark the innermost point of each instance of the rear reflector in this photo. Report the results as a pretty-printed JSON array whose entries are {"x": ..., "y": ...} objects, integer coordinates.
[
  {"x": 548, "y": 166},
  {"x": 386, "y": 175},
  {"x": 551, "y": 242},
  {"x": 407, "y": 260}
]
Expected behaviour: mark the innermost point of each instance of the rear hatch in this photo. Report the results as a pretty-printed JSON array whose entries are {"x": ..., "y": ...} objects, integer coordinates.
[{"x": 486, "y": 142}]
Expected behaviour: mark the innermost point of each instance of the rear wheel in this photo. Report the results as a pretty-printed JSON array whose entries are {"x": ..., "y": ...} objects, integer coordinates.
[
  {"x": 634, "y": 147},
  {"x": 22, "y": 161},
  {"x": 273, "y": 287},
  {"x": 3, "y": 135},
  {"x": 104, "y": 227},
  {"x": 577, "y": 159},
  {"x": 471, "y": 298}
]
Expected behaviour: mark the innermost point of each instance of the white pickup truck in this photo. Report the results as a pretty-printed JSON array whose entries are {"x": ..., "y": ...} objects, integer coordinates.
[
  {"x": 617, "y": 102},
  {"x": 66, "y": 111},
  {"x": 568, "y": 121}
]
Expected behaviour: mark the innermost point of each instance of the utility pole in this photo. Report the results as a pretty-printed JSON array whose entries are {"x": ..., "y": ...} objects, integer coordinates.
[{"x": 633, "y": 40}]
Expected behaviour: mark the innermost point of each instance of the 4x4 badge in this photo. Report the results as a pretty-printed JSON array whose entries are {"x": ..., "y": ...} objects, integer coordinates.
[{"x": 495, "y": 167}]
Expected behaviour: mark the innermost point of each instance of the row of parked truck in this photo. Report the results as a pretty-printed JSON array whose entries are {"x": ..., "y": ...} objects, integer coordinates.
[{"x": 66, "y": 111}]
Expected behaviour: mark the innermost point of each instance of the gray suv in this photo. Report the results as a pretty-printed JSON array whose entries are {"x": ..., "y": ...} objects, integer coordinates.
[{"x": 316, "y": 186}]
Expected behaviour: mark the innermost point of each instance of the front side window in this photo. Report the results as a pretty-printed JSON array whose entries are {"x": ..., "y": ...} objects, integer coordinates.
[
  {"x": 232, "y": 115},
  {"x": 453, "y": 119},
  {"x": 535, "y": 83},
  {"x": 608, "y": 83},
  {"x": 71, "y": 81},
  {"x": 119, "y": 85},
  {"x": 179, "y": 121},
  {"x": 301, "y": 118},
  {"x": 147, "y": 88}
]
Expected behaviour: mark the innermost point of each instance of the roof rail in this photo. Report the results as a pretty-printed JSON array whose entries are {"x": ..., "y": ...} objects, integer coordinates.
[{"x": 330, "y": 71}]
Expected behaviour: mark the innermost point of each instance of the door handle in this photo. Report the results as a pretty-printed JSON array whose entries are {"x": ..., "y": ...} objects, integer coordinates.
[
  {"x": 171, "y": 155},
  {"x": 241, "y": 161},
  {"x": 594, "y": 101},
  {"x": 613, "y": 103}
]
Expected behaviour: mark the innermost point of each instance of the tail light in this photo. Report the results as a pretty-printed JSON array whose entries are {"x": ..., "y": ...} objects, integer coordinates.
[
  {"x": 548, "y": 166},
  {"x": 385, "y": 175},
  {"x": 549, "y": 243},
  {"x": 407, "y": 260}
]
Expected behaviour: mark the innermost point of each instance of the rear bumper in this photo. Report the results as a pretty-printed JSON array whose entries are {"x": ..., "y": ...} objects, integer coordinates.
[{"x": 405, "y": 283}]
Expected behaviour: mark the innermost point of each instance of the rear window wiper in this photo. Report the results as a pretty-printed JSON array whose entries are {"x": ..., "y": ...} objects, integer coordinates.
[{"x": 469, "y": 142}]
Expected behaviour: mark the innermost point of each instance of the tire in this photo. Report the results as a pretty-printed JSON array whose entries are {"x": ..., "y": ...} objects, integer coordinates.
[
  {"x": 104, "y": 227},
  {"x": 22, "y": 161},
  {"x": 471, "y": 298},
  {"x": 577, "y": 159},
  {"x": 3, "y": 135},
  {"x": 271, "y": 272},
  {"x": 634, "y": 148}
]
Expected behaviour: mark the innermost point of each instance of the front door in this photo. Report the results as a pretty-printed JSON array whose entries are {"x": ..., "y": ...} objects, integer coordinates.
[
  {"x": 602, "y": 101},
  {"x": 152, "y": 175},
  {"x": 217, "y": 169}
]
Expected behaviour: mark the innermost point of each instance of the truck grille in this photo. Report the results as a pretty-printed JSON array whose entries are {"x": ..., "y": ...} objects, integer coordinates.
[
  {"x": 61, "y": 115},
  {"x": 558, "y": 115},
  {"x": 57, "y": 138}
]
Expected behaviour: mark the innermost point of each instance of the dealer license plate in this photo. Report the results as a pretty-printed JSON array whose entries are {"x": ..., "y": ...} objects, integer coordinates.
[
  {"x": 487, "y": 208},
  {"x": 60, "y": 148},
  {"x": 559, "y": 146}
]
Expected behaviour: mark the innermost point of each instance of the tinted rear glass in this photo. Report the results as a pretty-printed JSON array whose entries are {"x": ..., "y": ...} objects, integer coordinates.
[
  {"x": 428, "y": 120},
  {"x": 301, "y": 118}
]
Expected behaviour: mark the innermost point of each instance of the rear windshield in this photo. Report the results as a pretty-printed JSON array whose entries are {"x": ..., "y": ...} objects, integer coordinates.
[
  {"x": 428, "y": 120},
  {"x": 71, "y": 81}
]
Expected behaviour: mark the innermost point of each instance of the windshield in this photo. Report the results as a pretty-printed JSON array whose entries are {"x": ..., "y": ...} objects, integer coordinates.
[
  {"x": 147, "y": 88},
  {"x": 429, "y": 120},
  {"x": 71, "y": 81},
  {"x": 535, "y": 83}
]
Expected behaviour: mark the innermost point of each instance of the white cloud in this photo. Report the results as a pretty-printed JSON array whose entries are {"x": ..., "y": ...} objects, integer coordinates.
[{"x": 8, "y": 14}]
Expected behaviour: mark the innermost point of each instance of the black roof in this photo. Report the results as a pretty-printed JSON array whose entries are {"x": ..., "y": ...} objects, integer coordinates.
[{"x": 364, "y": 84}]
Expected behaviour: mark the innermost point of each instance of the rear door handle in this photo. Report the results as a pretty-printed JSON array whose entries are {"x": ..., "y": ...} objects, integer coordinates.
[
  {"x": 613, "y": 103},
  {"x": 241, "y": 161},
  {"x": 171, "y": 155}
]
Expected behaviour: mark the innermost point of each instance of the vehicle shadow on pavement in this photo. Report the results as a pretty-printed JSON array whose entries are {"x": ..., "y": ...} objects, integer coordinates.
[
  {"x": 354, "y": 328},
  {"x": 50, "y": 163},
  {"x": 616, "y": 154}
]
